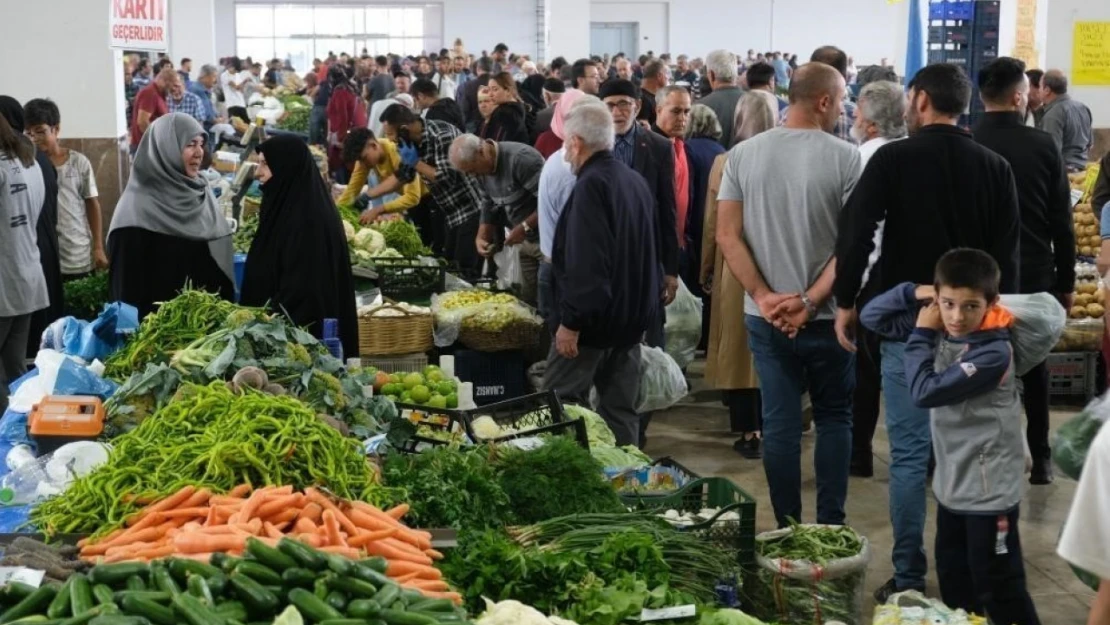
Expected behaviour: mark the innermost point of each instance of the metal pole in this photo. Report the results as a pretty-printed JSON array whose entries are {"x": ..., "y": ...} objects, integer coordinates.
[{"x": 772, "y": 33}]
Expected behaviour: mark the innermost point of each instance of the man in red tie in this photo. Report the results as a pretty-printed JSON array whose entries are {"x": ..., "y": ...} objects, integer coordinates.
[{"x": 672, "y": 115}]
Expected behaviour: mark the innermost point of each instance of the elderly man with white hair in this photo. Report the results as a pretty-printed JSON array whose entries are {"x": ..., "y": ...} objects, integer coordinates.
[
  {"x": 509, "y": 174},
  {"x": 720, "y": 67},
  {"x": 607, "y": 277}
]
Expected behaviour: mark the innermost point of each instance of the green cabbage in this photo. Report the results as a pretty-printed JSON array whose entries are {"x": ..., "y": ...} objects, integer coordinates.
[
  {"x": 596, "y": 428},
  {"x": 626, "y": 457}
]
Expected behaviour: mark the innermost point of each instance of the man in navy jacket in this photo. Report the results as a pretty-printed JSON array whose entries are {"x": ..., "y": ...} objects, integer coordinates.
[{"x": 607, "y": 279}]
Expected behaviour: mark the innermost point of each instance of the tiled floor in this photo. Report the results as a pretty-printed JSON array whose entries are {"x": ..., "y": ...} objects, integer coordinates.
[{"x": 696, "y": 435}]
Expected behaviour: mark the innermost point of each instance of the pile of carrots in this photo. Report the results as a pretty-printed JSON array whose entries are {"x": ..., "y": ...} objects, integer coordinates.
[{"x": 194, "y": 523}]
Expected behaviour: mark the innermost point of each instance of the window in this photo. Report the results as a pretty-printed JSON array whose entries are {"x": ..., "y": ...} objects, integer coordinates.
[{"x": 299, "y": 32}]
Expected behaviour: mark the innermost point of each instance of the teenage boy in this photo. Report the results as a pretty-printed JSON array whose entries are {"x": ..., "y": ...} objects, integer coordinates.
[
  {"x": 959, "y": 365},
  {"x": 80, "y": 232},
  {"x": 368, "y": 152}
]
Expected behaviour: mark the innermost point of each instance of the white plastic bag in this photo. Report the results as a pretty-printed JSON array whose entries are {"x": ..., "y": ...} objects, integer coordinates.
[
  {"x": 1039, "y": 321},
  {"x": 683, "y": 327},
  {"x": 509, "y": 273},
  {"x": 662, "y": 384}
]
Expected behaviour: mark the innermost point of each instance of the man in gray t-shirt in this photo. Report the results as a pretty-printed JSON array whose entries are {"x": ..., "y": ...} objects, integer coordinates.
[{"x": 779, "y": 204}]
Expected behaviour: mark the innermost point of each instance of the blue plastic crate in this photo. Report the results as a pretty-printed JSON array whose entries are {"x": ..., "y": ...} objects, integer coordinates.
[
  {"x": 240, "y": 269},
  {"x": 936, "y": 10},
  {"x": 964, "y": 10}
]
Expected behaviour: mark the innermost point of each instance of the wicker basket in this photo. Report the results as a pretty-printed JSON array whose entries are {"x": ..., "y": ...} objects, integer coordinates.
[
  {"x": 408, "y": 333},
  {"x": 519, "y": 335}
]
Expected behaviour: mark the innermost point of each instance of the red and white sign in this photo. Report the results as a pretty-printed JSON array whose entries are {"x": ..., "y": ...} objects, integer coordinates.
[{"x": 139, "y": 24}]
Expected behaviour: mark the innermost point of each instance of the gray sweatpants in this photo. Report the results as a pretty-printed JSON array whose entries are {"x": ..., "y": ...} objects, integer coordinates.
[
  {"x": 14, "y": 333},
  {"x": 615, "y": 372}
]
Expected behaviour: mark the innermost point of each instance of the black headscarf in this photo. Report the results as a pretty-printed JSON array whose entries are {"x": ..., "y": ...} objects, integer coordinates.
[
  {"x": 531, "y": 91},
  {"x": 298, "y": 261},
  {"x": 46, "y": 231}
]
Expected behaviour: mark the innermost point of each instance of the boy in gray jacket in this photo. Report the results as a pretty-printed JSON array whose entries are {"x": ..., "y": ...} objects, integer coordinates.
[{"x": 959, "y": 364}]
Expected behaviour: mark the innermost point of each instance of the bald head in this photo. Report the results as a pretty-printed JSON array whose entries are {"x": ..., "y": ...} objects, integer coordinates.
[
  {"x": 813, "y": 81},
  {"x": 1055, "y": 81},
  {"x": 166, "y": 79}
]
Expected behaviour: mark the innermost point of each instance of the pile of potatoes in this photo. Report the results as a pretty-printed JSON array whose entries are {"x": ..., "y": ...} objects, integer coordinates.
[
  {"x": 1087, "y": 239},
  {"x": 1090, "y": 301}
]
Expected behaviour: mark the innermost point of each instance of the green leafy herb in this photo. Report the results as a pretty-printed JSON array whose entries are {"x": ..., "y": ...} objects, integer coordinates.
[
  {"x": 449, "y": 487},
  {"x": 85, "y": 297},
  {"x": 555, "y": 480}
]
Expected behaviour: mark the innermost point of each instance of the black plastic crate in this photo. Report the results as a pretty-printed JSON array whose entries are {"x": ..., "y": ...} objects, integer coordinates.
[
  {"x": 936, "y": 34},
  {"x": 531, "y": 415},
  {"x": 410, "y": 279},
  {"x": 435, "y": 428},
  {"x": 987, "y": 12},
  {"x": 496, "y": 376},
  {"x": 959, "y": 34},
  {"x": 1072, "y": 374}
]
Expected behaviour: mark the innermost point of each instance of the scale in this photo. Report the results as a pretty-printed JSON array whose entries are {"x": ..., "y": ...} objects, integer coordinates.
[{"x": 61, "y": 419}]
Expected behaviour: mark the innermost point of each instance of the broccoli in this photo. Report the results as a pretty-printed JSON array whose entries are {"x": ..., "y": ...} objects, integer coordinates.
[
  {"x": 244, "y": 349},
  {"x": 298, "y": 354},
  {"x": 239, "y": 317},
  {"x": 324, "y": 390}
]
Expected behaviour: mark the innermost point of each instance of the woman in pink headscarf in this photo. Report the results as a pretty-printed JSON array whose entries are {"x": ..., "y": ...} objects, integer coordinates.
[{"x": 551, "y": 140}]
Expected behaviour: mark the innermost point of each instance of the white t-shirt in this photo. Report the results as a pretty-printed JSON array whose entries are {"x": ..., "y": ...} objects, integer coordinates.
[
  {"x": 76, "y": 183},
  {"x": 22, "y": 284},
  {"x": 232, "y": 96},
  {"x": 1086, "y": 539}
]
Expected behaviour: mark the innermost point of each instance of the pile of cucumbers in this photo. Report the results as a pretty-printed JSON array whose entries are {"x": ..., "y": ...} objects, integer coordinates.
[{"x": 326, "y": 589}]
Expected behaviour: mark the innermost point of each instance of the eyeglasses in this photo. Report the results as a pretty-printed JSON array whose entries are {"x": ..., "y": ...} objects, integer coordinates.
[{"x": 623, "y": 105}]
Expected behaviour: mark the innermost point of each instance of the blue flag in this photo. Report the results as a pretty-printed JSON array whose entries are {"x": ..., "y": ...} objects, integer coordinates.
[{"x": 915, "y": 41}]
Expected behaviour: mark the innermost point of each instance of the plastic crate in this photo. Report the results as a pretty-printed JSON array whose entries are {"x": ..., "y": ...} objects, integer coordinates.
[
  {"x": 987, "y": 13},
  {"x": 959, "y": 34},
  {"x": 410, "y": 280},
  {"x": 411, "y": 363},
  {"x": 662, "y": 471},
  {"x": 531, "y": 415},
  {"x": 496, "y": 376},
  {"x": 936, "y": 10},
  {"x": 737, "y": 536},
  {"x": 964, "y": 10},
  {"x": 437, "y": 421},
  {"x": 1072, "y": 374}
]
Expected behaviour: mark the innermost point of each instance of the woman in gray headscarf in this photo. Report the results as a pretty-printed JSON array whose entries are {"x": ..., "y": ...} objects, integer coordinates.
[{"x": 167, "y": 229}]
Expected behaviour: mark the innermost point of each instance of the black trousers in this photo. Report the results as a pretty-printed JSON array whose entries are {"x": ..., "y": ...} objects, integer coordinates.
[
  {"x": 458, "y": 247},
  {"x": 1035, "y": 398},
  {"x": 745, "y": 409},
  {"x": 869, "y": 385},
  {"x": 974, "y": 576}
]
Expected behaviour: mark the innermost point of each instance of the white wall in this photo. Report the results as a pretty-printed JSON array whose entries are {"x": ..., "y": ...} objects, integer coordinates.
[
  {"x": 653, "y": 19},
  {"x": 568, "y": 30},
  {"x": 193, "y": 32},
  {"x": 41, "y": 39},
  {"x": 1062, "y": 15}
]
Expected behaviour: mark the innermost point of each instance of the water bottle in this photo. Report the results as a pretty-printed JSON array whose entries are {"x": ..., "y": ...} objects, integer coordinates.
[
  {"x": 18, "y": 456},
  {"x": 27, "y": 484}
]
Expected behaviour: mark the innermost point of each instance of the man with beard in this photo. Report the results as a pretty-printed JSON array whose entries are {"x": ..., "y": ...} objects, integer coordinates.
[{"x": 937, "y": 190}]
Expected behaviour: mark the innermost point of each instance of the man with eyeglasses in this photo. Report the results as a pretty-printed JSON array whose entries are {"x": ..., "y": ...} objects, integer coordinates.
[{"x": 586, "y": 76}]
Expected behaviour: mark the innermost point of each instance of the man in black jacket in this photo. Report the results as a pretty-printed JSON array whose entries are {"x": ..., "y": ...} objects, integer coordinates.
[
  {"x": 606, "y": 276},
  {"x": 1047, "y": 238},
  {"x": 936, "y": 190},
  {"x": 435, "y": 108},
  {"x": 652, "y": 156}
]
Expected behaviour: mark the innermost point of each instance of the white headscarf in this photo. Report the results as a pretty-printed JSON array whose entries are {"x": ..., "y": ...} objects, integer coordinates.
[{"x": 159, "y": 196}]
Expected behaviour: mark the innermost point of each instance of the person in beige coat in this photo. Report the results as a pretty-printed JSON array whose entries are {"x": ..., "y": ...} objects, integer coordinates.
[{"x": 728, "y": 363}]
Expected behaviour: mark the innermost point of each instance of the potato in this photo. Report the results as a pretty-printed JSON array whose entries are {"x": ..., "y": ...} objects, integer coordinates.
[
  {"x": 1086, "y": 250},
  {"x": 1078, "y": 312},
  {"x": 1095, "y": 310},
  {"x": 1086, "y": 287},
  {"x": 1100, "y": 296},
  {"x": 1082, "y": 299}
]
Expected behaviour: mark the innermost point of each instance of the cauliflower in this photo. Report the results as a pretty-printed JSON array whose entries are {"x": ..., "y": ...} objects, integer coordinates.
[
  {"x": 486, "y": 428},
  {"x": 369, "y": 240},
  {"x": 514, "y": 613},
  {"x": 362, "y": 255},
  {"x": 349, "y": 231},
  {"x": 387, "y": 252}
]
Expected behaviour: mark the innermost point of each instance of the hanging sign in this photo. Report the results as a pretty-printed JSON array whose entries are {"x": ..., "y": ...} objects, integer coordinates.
[
  {"x": 1090, "y": 55},
  {"x": 138, "y": 24}
]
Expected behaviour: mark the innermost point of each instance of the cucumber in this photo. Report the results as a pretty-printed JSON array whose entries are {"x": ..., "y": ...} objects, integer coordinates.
[
  {"x": 297, "y": 577},
  {"x": 410, "y": 596},
  {"x": 103, "y": 594},
  {"x": 368, "y": 574},
  {"x": 320, "y": 586},
  {"x": 154, "y": 596},
  {"x": 229, "y": 563},
  {"x": 82, "y": 618},
  {"x": 218, "y": 559},
  {"x": 399, "y": 617},
  {"x": 119, "y": 619},
  {"x": 363, "y": 608},
  {"x": 181, "y": 568},
  {"x": 388, "y": 594},
  {"x": 432, "y": 605},
  {"x": 444, "y": 617},
  {"x": 194, "y": 612},
  {"x": 136, "y": 583},
  {"x": 34, "y": 603},
  {"x": 117, "y": 574},
  {"x": 269, "y": 556},
  {"x": 59, "y": 607},
  {"x": 304, "y": 555},
  {"x": 259, "y": 601},
  {"x": 80, "y": 595},
  {"x": 217, "y": 584},
  {"x": 259, "y": 572},
  {"x": 199, "y": 589},
  {"x": 376, "y": 563},
  {"x": 156, "y": 613},
  {"x": 232, "y": 611},
  {"x": 162, "y": 580},
  {"x": 342, "y": 566},
  {"x": 356, "y": 588},
  {"x": 312, "y": 607},
  {"x": 337, "y": 600},
  {"x": 343, "y": 621},
  {"x": 15, "y": 592}
]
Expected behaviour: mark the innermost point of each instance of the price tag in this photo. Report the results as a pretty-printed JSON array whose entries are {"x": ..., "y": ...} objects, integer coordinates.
[
  {"x": 1076, "y": 195},
  {"x": 31, "y": 577},
  {"x": 674, "y": 612}
]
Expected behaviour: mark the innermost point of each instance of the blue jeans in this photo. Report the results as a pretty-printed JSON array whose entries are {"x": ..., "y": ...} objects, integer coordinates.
[
  {"x": 318, "y": 125},
  {"x": 545, "y": 292},
  {"x": 813, "y": 361},
  {"x": 907, "y": 427}
]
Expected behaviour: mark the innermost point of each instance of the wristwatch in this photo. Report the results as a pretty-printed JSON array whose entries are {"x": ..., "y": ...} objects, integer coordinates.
[
  {"x": 811, "y": 309},
  {"x": 527, "y": 228}
]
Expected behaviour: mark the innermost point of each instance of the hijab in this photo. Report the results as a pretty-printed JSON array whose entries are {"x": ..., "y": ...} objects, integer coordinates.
[
  {"x": 531, "y": 91},
  {"x": 159, "y": 196},
  {"x": 562, "y": 107},
  {"x": 11, "y": 110},
  {"x": 298, "y": 261}
]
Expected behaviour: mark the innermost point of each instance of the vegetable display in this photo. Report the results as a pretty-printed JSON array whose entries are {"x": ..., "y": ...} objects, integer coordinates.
[
  {"x": 210, "y": 437},
  {"x": 244, "y": 234},
  {"x": 557, "y": 479},
  {"x": 59, "y": 562},
  {"x": 402, "y": 236},
  {"x": 449, "y": 487},
  {"x": 85, "y": 297},
  {"x": 295, "y": 120}
]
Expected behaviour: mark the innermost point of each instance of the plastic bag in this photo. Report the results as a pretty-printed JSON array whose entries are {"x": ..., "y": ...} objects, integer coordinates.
[
  {"x": 509, "y": 273},
  {"x": 662, "y": 383},
  {"x": 913, "y": 608},
  {"x": 683, "y": 327},
  {"x": 799, "y": 591},
  {"x": 1039, "y": 321},
  {"x": 476, "y": 308},
  {"x": 95, "y": 340},
  {"x": 1073, "y": 438}
]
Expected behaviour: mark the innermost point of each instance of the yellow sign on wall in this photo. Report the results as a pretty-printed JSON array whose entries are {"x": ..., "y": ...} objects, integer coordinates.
[{"x": 1090, "y": 56}]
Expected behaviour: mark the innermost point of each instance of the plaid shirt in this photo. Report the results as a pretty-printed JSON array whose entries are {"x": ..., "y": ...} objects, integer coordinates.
[
  {"x": 189, "y": 103},
  {"x": 457, "y": 194},
  {"x": 843, "y": 127}
]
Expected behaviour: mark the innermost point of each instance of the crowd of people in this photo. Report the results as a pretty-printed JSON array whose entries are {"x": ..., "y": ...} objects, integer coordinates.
[{"x": 844, "y": 232}]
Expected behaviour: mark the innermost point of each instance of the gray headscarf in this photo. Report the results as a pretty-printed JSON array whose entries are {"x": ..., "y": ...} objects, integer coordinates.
[{"x": 159, "y": 196}]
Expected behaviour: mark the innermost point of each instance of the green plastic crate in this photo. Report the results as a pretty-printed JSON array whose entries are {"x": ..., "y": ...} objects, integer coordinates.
[{"x": 710, "y": 492}]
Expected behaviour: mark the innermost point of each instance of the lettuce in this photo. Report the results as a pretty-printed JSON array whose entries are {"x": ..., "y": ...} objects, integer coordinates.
[{"x": 596, "y": 428}]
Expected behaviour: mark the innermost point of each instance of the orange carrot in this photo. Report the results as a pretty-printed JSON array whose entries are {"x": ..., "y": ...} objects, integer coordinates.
[
  {"x": 304, "y": 526},
  {"x": 198, "y": 543},
  {"x": 381, "y": 548},
  {"x": 240, "y": 491},
  {"x": 404, "y": 578},
  {"x": 367, "y": 522},
  {"x": 453, "y": 596},
  {"x": 188, "y": 513},
  {"x": 150, "y": 554},
  {"x": 325, "y": 503},
  {"x": 276, "y": 505},
  {"x": 364, "y": 537},
  {"x": 405, "y": 547},
  {"x": 437, "y": 585},
  {"x": 398, "y": 511},
  {"x": 199, "y": 498},
  {"x": 312, "y": 540},
  {"x": 283, "y": 516},
  {"x": 397, "y": 568},
  {"x": 270, "y": 531},
  {"x": 169, "y": 503},
  {"x": 331, "y": 524},
  {"x": 433, "y": 554},
  {"x": 224, "y": 500},
  {"x": 312, "y": 512}
]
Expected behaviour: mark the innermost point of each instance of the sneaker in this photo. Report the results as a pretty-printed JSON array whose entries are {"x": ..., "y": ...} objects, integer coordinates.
[
  {"x": 1041, "y": 475},
  {"x": 889, "y": 588},
  {"x": 748, "y": 447}
]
